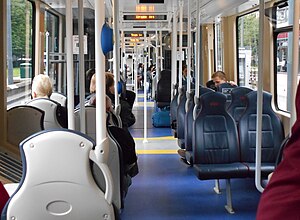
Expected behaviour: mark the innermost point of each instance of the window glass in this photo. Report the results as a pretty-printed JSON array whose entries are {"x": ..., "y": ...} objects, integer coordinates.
[
  {"x": 218, "y": 44},
  {"x": 283, "y": 32},
  {"x": 248, "y": 37},
  {"x": 19, "y": 51},
  {"x": 51, "y": 53}
]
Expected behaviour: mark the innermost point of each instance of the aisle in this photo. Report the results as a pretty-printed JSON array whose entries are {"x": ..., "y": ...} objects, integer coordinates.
[{"x": 166, "y": 188}]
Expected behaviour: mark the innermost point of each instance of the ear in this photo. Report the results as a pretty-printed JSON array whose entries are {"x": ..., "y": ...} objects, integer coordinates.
[{"x": 34, "y": 95}]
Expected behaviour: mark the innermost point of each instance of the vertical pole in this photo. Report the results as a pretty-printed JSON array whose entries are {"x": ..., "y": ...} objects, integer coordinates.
[
  {"x": 160, "y": 50},
  {"x": 174, "y": 51},
  {"x": 70, "y": 74},
  {"x": 122, "y": 53},
  {"x": 135, "y": 73},
  {"x": 198, "y": 57},
  {"x": 145, "y": 87},
  {"x": 180, "y": 42},
  {"x": 47, "y": 54},
  {"x": 81, "y": 65},
  {"x": 116, "y": 52},
  {"x": 189, "y": 50},
  {"x": 259, "y": 96},
  {"x": 157, "y": 52},
  {"x": 295, "y": 58}
]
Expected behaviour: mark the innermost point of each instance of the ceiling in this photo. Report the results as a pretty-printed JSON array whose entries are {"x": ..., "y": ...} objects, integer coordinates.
[{"x": 210, "y": 9}]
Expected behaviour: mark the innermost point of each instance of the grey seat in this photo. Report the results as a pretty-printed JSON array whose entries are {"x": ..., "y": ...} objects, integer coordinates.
[
  {"x": 60, "y": 98},
  {"x": 51, "y": 109},
  {"x": 113, "y": 162},
  {"x": 54, "y": 190},
  {"x": 23, "y": 121}
]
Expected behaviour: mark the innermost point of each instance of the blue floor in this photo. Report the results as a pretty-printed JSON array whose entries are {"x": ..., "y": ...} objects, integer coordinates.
[
  {"x": 151, "y": 132},
  {"x": 166, "y": 188}
]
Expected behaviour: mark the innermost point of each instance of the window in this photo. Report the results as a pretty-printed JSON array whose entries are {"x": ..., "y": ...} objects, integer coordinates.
[
  {"x": 51, "y": 53},
  {"x": 283, "y": 35},
  {"x": 218, "y": 44},
  {"x": 19, "y": 51},
  {"x": 248, "y": 37}
]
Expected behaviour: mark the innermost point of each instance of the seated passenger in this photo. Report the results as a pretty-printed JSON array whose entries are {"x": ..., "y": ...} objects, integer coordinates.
[
  {"x": 211, "y": 85},
  {"x": 219, "y": 77},
  {"x": 124, "y": 139},
  {"x": 126, "y": 115},
  {"x": 281, "y": 197},
  {"x": 41, "y": 87}
]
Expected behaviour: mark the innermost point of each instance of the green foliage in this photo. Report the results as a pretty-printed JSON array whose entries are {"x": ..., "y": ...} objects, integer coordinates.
[
  {"x": 21, "y": 19},
  {"x": 248, "y": 30}
]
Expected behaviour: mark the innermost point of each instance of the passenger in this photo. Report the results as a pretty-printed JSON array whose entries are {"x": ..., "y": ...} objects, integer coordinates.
[
  {"x": 92, "y": 97},
  {"x": 281, "y": 197},
  {"x": 140, "y": 75},
  {"x": 126, "y": 115},
  {"x": 211, "y": 85},
  {"x": 219, "y": 77},
  {"x": 4, "y": 197},
  {"x": 41, "y": 87},
  {"x": 184, "y": 75}
]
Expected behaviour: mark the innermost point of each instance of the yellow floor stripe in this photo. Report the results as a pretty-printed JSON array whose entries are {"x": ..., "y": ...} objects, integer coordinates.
[
  {"x": 156, "y": 151},
  {"x": 157, "y": 138}
]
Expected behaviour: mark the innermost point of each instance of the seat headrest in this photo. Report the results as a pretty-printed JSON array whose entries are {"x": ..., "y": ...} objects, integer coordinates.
[
  {"x": 252, "y": 101},
  {"x": 213, "y": 103},
  {"x": 238, "y": 96},
  {"x": 203, "y": 90}
]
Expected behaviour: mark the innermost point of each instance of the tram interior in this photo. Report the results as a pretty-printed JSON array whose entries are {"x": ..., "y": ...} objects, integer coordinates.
[{"x": 164, "y": 185}]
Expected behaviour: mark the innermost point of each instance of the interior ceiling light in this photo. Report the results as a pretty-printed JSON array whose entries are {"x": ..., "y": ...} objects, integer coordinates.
[{"x": 145, "y": 8}]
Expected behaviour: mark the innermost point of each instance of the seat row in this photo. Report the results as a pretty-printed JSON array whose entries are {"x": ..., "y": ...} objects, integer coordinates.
[
  {"x": 222, "y": 141},
  {"x": 26, "y": 120}
]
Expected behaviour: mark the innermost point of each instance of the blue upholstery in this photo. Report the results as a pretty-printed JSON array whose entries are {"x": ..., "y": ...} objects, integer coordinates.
[
  {"x": 215, "y": 141},
  {"x": 272, "y": 133},
  {"x": 238, "y": 102},
  {"x": 173, "y": 111},
  {"x": 180, "y": 120},
  {"x": 188, "y": 125},
  {"x": 226, "y": 89},
  {"x": 163, "y": 91}
]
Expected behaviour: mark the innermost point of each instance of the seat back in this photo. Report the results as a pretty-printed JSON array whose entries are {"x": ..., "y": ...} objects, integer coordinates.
[
  {"x": 226, "y": 89},
  {"x": 173, "y": 109},
  {"x": 215, "y": 137},
  {"x": 23, "y": 121},
  {"x": 163, "y": 90},
  {"x": 59, "y": 98},
  {"x": 238, "y": 102},
  {"x": 181, "y": 116},
  {"x": 51, "y": 109},
  {"x": 114, "y": 164},
  {"x": 189, "y": 120},
  {"x": 272, "y": 130},
  {"x": 114, "y": 161},
  {"x": 90, "y": 121},
  {"x": 63, "y": 186}
]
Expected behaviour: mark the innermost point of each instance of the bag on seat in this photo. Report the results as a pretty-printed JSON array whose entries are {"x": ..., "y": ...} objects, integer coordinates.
[{"x": 161, "y": 118}]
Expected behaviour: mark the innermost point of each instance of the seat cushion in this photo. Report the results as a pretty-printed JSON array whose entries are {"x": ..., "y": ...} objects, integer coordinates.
[{"x": 221, "y": 171}]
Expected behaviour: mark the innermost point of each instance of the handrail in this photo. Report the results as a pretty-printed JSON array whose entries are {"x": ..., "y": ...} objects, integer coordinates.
[
  {"x": 259, "y": 97},
  {"x": 81, "y": 66},
  {"x": 294, "y": 58},
  {"x": 70, "y": 74}
]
